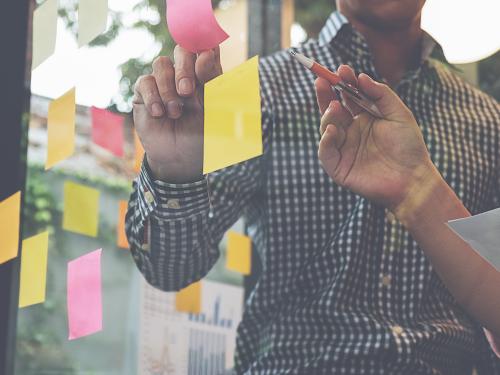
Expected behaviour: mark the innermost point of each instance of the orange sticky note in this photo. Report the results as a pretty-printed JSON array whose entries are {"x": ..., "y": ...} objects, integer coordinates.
[
  {"x": 61, "y": 129},
  {"x": 139, "y": 153},
  {"x": 10, "y": 214},
  {"x": 189, "y": 299},
  {"x": 239, "y": 253},
  {"x": 81, "y": 209},
  {"x": 121, "y": 235},
  {"x": 33, "y": 270}
]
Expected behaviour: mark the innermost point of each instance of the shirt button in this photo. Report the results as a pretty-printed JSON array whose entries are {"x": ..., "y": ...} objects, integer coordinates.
[
  {"x": 386, "y": 280},
  {"x": 149, "y": 197},
  {"x": 397, "y": 330},
  {"x": 173, "y": 204}
]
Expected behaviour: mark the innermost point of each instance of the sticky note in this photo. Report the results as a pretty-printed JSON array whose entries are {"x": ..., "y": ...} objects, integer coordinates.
[
  {"x": 232, "y": 130},
  {"x": 81, "y": 209},
  {"x": 192, "y": 24},
  {"x": 84, "y": 298},
  {"x": 138, "y": 154},
  {"x": 107, "y": 130},
  {"x": 92, "y": 20},
  {"x": 61, "y": 129},
  {"x": 10, "y": 215},
  {"x": 44, "y": 32},
  {"x": 239, "y": 253},
  {"x": 33, "y": 270},
  {"x": 189, "y": 299},
  {"x": 120, "y": 228}
]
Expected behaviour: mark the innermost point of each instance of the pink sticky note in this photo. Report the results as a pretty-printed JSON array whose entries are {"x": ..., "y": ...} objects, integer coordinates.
[
  {"x": 107, "y": 130},
  {"x": 193, "y": 26},
  {"x": 84, "y": 295}
]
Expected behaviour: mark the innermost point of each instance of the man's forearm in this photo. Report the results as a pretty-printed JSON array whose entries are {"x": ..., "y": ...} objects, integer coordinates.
[{"x": 473, "y": 281}]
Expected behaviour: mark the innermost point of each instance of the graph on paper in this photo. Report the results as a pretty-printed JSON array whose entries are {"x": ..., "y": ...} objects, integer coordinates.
[{"x": 173, "y": 343}]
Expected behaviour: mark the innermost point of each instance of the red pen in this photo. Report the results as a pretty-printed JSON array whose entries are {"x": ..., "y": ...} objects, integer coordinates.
[{"x": 345, "y": 88}]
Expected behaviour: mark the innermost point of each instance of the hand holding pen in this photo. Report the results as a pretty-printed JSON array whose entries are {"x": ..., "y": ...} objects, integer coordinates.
[{"x": 381, "y": 158}]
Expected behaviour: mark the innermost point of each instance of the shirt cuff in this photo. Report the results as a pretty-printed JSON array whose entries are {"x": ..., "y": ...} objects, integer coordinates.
[
  {"x": 494, "y": 342},
  {"x": 171, "y": 201}
]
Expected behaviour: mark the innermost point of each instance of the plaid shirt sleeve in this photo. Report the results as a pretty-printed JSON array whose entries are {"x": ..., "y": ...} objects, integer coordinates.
[{"x": 174, "y": 229}]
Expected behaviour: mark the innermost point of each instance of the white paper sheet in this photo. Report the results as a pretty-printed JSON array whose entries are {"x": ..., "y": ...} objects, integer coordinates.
[{"x": 482, "y": 233}]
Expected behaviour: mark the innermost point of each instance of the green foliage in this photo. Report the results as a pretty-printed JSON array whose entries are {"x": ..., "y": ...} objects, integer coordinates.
[{"x": 310, "y": 14}]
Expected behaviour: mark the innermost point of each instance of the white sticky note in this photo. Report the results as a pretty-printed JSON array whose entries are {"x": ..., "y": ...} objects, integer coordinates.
[
  {"x": 482, "y": 233},
  {"x": 44, "y": 32},
  {"x": 92, "y": 20}
]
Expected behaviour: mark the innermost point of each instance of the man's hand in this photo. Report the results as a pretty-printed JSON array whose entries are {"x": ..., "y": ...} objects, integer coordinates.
[
  {"x": 380, "y": 159},
  {"x": 168, "y": 113}
]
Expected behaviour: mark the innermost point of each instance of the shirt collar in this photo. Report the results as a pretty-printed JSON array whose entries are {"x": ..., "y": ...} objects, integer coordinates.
[{"x": 337, "y": 20}]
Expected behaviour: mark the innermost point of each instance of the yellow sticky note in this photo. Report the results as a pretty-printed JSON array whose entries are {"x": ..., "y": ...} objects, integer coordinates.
[
  {"x": 138, "y": 154},
  {"x": 232, "y": 129},
  {"x": 120, "y": 228},
  {"x": 61, "y": 129},
  {"x": 44, "y": 32},
  {"x": 10, "y": 214},
  {"x": 33, "y": 270},
  {"x": 92, "y": 20},
  {"x": 189, "y": 299},
  {"x": 239, "y": 253},
  {"x": 81, "y": 209}
]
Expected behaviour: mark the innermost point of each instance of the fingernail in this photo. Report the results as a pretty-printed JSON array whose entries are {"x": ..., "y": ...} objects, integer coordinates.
[
  {"x": 157, "y": 109},
  {"x": 185, "y": 86},
  {"x": 174, "y": 108}
]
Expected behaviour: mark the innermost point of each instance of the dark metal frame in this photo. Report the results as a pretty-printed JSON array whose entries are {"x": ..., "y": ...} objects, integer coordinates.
[
  {"x": 264, "y": 38},
  {"x": 15, "y": 26}
]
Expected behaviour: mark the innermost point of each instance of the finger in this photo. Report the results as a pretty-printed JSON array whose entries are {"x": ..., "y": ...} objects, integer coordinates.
[
  {"x": 387, "y": 101},
  {"x": 164, "y": 74},
  {"x": 348, "y": 76},
  {"x": 146, "y": 92},
  {"x": 335, "y": 114},
  {"x": 208, "y": 65},
  {"x": 329, "y": 151},
  {"x": 324, "y": 94},
  {"x": 185, "y": 79}
]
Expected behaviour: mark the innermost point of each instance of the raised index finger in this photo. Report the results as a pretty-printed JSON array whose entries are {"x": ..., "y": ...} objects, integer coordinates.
[{"x": 185, "y": 78}]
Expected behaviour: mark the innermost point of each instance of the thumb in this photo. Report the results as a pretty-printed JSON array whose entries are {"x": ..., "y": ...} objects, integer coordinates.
[
  {"x": 208, "y": 65},
  {"x": 387, "y": 101},
  {"x": 324, "y": 94}
]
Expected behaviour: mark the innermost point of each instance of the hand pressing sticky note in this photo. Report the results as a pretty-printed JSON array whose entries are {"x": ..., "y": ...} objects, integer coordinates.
[
  {"x": 33, "y": 270},
  {"x": 10, "y": 214},
  {"x": 120, "y": 228},
  {"x": 61, "y": 129},
  {"x": 239, "y": 253},
  {"x": 189, "y": 299},
  {"x": 81, "y": 209},
  {"x": 92, "y": 20},
  {"x": 233, "y": 129},
  {"x": 107, "y": 130},
  {"x": 44, "y": 32},
  {"x": 84, "y": 295},
  {"x": 193, "y": 26}
]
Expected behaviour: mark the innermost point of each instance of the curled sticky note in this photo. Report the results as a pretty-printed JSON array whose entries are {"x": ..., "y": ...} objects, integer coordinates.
[
  {"x": 239, "y": 253},
  {"x": 233, "y": 120},
  {"x": 120, "y": 228},
  {"x": 61, "y": 129},
  {"x": 84, "y": 295},
  {"x": 189, "y": 299},
  {"x": 10, "y": 212},
  {"x": 107, "y": 130},
  {"x": 44, "y": 32},
  {"x": 192, "y": 24},
  {"x": 81, "y": 209},
  {"x": 33, "y": 270}
]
